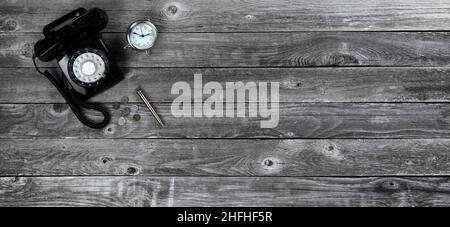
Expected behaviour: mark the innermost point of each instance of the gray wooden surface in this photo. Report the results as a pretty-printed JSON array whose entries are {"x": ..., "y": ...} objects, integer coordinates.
[
  {"x": 287, "y": 49},
  {"x": 364, "y": 92}
]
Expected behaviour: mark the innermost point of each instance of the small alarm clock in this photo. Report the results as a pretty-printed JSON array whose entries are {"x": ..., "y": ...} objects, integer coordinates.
[{"x": 141, "y": 35}]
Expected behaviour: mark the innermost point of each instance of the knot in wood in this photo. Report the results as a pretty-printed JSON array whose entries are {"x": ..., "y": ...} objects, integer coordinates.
[
  {"x": 268, "y": 162},
  {"x": 110, "y": 130},
  {"x": 331, "y": 151},
  {"x": 9, "y": 25},
  {"x": 172, "y": 9},
  {"x": 132, "y": 170},
  {"x": 27, "y": 50},
  {"x": 391, "y": 186},
  {"x": 106, "y": 160},
  {"x": 250, "y": 17},
  {"x": 271, "y": 163},
  {"x": 343, "y": 60},
  {"x": 59, "y": 107}
]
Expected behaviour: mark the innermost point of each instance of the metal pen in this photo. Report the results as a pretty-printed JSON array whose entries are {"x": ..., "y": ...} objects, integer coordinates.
[{"x": 149, "y": 106}]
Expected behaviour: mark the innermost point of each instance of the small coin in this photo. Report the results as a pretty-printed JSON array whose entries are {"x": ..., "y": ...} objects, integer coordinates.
[
  {"x": 134, "y": 109},
  {"x": 116, "y": 105},
  {"x": 136, "y": 117},
  {"x": 122, "y": 121},
  {"x": 125, "y": 99},
  {"x": 126, "y": 111}
]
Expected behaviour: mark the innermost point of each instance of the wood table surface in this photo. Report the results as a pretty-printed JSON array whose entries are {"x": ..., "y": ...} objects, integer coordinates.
[{"x": 364, "y": 107}]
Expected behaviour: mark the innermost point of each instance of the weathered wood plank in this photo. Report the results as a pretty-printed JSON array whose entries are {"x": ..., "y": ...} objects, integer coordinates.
[
  {"x": 72, "y": 157},
  {"x": 296, "y": 120},
  {"x": 25, "y": 85},
  {"x": 246, "y": 16},
  {"x": 223, "y": 191},
  {"x": 297, "y": 49}
]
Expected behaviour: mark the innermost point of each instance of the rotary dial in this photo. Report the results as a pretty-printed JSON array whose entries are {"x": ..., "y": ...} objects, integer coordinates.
[{"x": 89, "y": 68}]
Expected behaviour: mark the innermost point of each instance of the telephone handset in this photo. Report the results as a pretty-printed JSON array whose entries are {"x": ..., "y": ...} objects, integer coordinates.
[{"x": 87, "y": 65}]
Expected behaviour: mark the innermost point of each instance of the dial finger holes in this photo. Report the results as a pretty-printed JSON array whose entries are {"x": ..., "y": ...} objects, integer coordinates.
[{"x": 89, "y": 67}]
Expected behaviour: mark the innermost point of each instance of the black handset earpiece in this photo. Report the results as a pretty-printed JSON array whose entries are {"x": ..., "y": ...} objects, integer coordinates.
[{"x": 47, "y": 50}]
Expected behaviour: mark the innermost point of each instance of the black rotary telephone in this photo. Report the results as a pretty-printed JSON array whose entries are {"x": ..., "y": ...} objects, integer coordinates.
[{"x": 87, "y": 65}]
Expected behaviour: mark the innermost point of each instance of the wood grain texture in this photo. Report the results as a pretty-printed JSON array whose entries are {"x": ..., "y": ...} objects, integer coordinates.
[
  {"x": 297, "y": 120},
  {"x": 296, "y": 85},
  {"x": 296, "y": 49},
  {"x": 121, "y": 157},
  {"x": 223, "y": 191},
  {"x": 239, "y": 16},
  {"x": 369, "y": 125}
]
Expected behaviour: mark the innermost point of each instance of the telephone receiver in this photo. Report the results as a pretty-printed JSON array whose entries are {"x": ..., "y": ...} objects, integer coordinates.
[{"x": 88, "y": 67}]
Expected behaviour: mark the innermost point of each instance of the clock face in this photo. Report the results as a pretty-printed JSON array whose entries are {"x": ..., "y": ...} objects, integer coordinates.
[{"x": 142, "y": 35}]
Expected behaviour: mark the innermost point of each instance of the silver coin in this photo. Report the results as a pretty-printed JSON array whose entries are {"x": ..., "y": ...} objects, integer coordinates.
[
  {"x": 136, "y": 117},
  {"x": 122, "y": 121},
  {"x": 116, "y": 105},
  {"x": 134, "y": 109},
  {"x": 125, "y": 99},
  {"x": 126, "y": 111}
]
